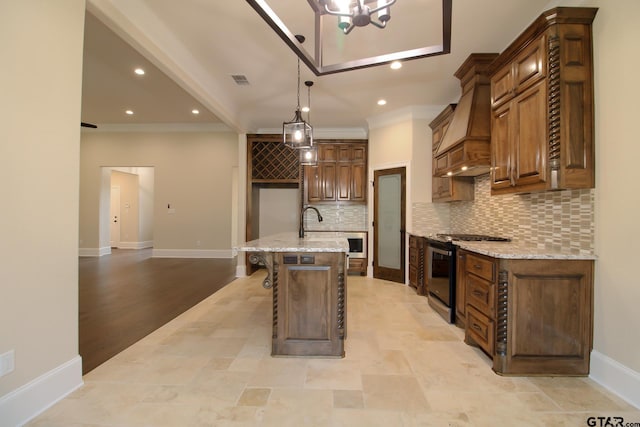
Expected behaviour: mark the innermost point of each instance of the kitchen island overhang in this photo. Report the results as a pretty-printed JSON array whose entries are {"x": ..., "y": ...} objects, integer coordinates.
[{"x": 308, "y": 280}]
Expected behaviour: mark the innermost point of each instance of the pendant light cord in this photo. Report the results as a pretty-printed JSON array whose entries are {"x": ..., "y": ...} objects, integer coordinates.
[{"x": 298, "y": 83}]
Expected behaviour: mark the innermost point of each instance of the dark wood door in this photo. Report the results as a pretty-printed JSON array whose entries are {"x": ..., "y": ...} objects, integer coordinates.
[{"x": 389, "y": 213}]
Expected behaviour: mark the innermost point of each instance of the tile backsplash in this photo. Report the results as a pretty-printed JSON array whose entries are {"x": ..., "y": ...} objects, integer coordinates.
[
  {"x": 338, "y": 217},
  {"x": 560, "y": 220}
]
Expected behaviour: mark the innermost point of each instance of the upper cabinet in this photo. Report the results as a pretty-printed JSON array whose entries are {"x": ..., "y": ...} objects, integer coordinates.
[
  {"x": 542, "y": 106},
  {"x": 447, "y": 189},
  {"x": 340, "y": 175},
  {"x": 464, "y": 147}
]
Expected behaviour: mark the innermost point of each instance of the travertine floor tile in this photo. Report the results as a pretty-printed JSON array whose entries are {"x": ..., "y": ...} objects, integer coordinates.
[{"x": 404, "y": 366}]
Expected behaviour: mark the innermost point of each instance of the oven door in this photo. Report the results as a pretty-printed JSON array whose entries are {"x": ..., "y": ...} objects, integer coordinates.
[{"x": 439, "y": 273}]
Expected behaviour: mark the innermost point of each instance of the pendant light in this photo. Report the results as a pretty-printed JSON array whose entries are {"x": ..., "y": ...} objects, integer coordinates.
[
  {"x": 309, "y": 155},
  {"x": 297, "y": 133}
]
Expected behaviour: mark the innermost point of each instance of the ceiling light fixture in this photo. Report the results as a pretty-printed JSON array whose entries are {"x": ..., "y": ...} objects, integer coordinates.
[
  {"x": 382, "y": 102},
  {"x": 322, "y": 58},
  {"x": 297, "y": 133},
  {"x": 356, "y": 13},
  {"x": 139, "y": 71},
  {"x": 194, "y": 111},
  {"x": 309, "y": 156},
  {"x": 396, "y": 65},
  {"x": 129, "y": 112}
]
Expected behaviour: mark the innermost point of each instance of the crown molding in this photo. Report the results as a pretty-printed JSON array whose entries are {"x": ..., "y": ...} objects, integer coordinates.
[
  {"x": 326, "y": 133},
  {"x": 414, "y": 112},
  {"x": 160, "y": 127}
]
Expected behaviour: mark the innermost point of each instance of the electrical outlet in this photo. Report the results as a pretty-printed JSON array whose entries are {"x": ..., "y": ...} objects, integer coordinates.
[{"x": 7, "y": 362}]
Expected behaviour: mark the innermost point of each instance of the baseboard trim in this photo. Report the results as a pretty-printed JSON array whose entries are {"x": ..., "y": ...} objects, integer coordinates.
[
  {"x": 135, "y": 245},
  {"x": 616, "y": 377},
  {"x": 192, "y": 253},
  {"x": 94, "y": 252},
  {"x": 30, "y": 400},
  {"x": 241, "y": 271}
]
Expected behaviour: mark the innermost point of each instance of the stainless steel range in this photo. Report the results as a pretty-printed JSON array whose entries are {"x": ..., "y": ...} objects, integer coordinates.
[{"x": 441, "y": 269}]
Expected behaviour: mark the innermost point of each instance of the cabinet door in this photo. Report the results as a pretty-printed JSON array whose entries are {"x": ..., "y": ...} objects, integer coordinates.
[
  {"x": 327, "y": 152},
  {"x": 328, "y": 181},
  {"x": 359, "y": 153},
  {"x": 344, "y": 153},
  {"x": 343, "y": 190},
  {"x": 501, "y": 147},
  {"x": 530, "y": 154},
  {"x": 313, "y": 180},
  {"x": 358, "y": 182}
]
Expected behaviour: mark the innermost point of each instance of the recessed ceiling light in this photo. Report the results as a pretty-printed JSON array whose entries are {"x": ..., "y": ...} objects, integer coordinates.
[
  {"x": 396, "y": 65},
  {"x": 194, "y": 111},
  {"x": 382, "y": 102},
  {"x": 305, "y": 109},
  {"x": 129, "y": 112},
  {"x": 139, "y": 71}
]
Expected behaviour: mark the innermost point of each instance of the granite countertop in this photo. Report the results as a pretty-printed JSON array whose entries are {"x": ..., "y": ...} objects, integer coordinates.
[
  {"x": 519, "y": 250},
  {"x": 290, "y": 242}
]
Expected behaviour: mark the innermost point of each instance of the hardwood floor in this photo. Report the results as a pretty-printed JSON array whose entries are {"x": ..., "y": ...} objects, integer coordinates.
[{"x": 127, "y": 295}]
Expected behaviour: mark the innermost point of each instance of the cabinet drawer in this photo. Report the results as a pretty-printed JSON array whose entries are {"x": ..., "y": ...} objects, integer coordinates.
[
  {"x": 482, "y": 267},
  {"x": 358, "y": 265},
  {"x": 413, "y": 242},
  {"x": 480, "y": 329},
  {"x": 481, "y": 295},
  {"x": 413, "y": 276}
]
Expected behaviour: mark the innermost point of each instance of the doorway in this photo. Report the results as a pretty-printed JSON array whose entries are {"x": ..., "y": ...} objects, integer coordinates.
[{"x": 389, "y": 217}]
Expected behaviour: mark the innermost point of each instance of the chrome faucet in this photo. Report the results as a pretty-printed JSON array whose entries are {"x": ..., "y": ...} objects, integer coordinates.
[{"x": 301, "y": 229}]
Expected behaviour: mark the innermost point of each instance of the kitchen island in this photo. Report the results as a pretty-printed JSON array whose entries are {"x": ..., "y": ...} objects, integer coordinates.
[{"x": 308, "y": 279}]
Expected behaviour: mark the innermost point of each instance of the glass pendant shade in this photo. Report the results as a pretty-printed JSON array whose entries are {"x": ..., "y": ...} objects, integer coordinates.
[
  {"x": 309, "y": 156},
  {"x": 297, "y": 133}
]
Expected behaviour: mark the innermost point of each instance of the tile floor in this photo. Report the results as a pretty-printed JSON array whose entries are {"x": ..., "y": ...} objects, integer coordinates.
[{"x": 404, "y": 366}]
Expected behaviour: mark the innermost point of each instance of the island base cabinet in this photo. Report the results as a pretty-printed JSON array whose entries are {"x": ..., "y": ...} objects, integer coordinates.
[
  {"x": 309, "y": 304},
  {"x": 544, "y": 317}
]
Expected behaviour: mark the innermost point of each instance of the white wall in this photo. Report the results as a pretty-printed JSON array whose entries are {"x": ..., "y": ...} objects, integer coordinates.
[{"x": 40, "y": 83}]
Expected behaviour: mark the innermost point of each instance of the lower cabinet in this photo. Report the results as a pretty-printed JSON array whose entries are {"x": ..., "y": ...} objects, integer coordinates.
[
  {"x": 531, "y": 316},
  {"x": 358, "y": 266}
]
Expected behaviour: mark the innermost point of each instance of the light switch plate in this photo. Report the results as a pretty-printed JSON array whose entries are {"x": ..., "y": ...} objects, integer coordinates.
[{"x": 7, "y": 362}]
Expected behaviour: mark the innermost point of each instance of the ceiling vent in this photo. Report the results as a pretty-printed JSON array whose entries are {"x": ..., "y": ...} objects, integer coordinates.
[{"x": 240, "y": 79}]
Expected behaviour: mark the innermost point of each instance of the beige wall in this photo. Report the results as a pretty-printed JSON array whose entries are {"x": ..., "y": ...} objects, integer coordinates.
[
  {"x": 41, "y": 75},
  {"x": 192, "y": 172},
  {"x": 617, "y": 316}
]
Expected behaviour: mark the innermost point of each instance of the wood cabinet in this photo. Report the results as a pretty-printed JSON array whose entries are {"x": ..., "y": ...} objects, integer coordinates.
[
  {"x": 542, "y": 106},
  {"x": 446, "y": 189},
  {"x": 340, "y": 175},
  {"x": 461, "y": 290},
  {"x": 533, "y": 317},
  {"x": 309, "y": 304},
  {"x": 417, "y": 265},
  {"x": 358, "y": 266}
]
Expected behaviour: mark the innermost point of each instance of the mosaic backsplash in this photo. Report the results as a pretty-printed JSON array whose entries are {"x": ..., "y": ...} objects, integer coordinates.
[
  {"x": 338, "y": 217},
  {"x": 559, "y": 220}
]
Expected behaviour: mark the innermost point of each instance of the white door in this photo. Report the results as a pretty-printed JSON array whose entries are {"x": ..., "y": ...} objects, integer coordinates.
[{"x": 114, "y": 217}]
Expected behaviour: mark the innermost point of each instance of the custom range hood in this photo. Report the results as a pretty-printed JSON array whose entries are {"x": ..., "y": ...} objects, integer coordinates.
[{"x": 465, "y": 146}]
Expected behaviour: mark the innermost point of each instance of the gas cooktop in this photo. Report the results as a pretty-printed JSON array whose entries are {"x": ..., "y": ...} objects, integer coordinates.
[{"x": 470, "y": 238}]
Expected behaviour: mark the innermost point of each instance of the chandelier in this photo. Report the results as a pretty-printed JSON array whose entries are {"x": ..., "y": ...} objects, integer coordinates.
[
  {"x": 297, "y": 133},
  {"x": 357, "y": 13}
]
